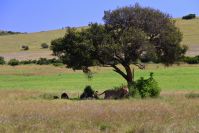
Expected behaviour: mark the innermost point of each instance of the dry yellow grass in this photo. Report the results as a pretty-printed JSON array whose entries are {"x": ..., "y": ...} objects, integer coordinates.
[
  {"x": 22, "y": 111},
  {"x": 189, "y": 28},
  {"x": 10, "y": 45},
  {"x": 13, "y": 43},
  {"x": 190, "y": 31}
]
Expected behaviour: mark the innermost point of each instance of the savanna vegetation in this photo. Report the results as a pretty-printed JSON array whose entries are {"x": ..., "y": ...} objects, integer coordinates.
[
  {"x": 27, "y": 105},
  {"x": 31, "y": 88}
]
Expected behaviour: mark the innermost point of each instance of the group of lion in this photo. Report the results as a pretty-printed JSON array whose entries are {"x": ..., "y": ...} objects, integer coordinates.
[{"x": 120, "y": 93}]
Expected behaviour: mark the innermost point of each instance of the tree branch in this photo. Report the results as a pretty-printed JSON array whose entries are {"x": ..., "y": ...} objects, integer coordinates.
[
  {"x": 116, "y": 69},
  {"x": 140, "y": 66}
]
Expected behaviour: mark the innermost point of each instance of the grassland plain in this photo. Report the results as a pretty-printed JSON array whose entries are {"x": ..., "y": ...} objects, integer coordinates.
[
  {"x": 50, "y": 78},
  {"x": 24, "y": 91},
  {"x": 25, "y": 105},
  {"x": 10, "y": 45}
]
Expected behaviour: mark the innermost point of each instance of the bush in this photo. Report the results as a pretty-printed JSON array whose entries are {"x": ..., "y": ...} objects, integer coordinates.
[
  {"x": 58, "y": 64},
  {"x": 88, "y": 93},
  {"x": 43, "y": 61},
  {"x": 189, "y": 16},
  {"x": 13, "y": 62},
  {"x": 133, "y": 91},
  {"x": 145, "y": 87},
  {"x": 25, "y": 62},
  {"x": 44, "y": 45},
  {"x": 2, "y": 61},
  {"x": 24, "y": 47},
  {"x": 191, "y": 60},
  {"x": 54, "y": 60}
]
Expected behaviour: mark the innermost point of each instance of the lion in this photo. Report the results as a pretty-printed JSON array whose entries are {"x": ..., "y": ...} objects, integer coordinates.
[{"x": 115, "y": 94}]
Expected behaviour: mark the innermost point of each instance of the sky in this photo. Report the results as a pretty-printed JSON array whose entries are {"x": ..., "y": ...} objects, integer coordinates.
[{"x": 43, "y": 15}]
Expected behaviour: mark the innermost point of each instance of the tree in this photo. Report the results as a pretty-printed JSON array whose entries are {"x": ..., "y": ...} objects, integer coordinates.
[
  {"x": 128, "y": 33},
  {"x": 189, "y": 16}
]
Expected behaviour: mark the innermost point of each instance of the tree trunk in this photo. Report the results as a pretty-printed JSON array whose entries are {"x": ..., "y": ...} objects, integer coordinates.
[{"x": 129, "y": 75}]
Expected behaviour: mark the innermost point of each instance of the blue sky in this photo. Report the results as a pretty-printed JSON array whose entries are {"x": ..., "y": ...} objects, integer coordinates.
[{"x": 42, "y": 15}]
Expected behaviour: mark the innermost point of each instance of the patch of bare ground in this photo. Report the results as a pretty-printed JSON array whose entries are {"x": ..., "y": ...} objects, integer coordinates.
[
  {"x": 26, "y": 55},
  {"x": 33, "y": 55},
  {"x": 21, "y": 111}
]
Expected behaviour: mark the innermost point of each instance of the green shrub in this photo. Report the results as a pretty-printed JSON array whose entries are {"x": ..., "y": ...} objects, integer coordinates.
[
  {"x": 145, "y": 88},
  {"x": 25, "y": 62},
  {"x": 54, "y": 60},
  {"x": 44, "y": 45},
  {"x": 154, "y": 89},
  {"x": 58, "y": 64},
  {"x": 24, "y": 47},
  {"x": 43, "y": 61},
  {"x": 133, "y": 91},
  {"x": 191, "y": 60},
  {"x": 142, "y": 87},
  {"x": 13, "y": 62},
  {"x": 88, "y": 93},
  {"x": 2, "y": 61},
  {"x": 189, "y": 16}
]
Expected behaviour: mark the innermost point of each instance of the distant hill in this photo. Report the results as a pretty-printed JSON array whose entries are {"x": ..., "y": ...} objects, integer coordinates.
[{"x": 10, "y": 45}]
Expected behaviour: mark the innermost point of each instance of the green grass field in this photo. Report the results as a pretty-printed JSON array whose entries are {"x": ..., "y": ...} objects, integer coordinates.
[{"x": 59, "y": 79}]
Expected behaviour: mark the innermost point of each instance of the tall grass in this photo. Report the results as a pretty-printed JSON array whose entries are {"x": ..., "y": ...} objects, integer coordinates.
[{"x": 173, "y": 112}]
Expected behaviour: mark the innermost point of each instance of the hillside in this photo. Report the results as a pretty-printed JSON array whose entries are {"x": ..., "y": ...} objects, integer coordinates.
[
  {"x": 190, "y": 30},
  {"x": 10, "y": 44}
]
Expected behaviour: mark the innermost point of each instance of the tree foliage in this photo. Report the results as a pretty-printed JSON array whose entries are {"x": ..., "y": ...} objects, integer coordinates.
[
  {"x": 127, "y": 35},
  {"x": 189, "y": 16},
  {"x": 2, "y": 61}
]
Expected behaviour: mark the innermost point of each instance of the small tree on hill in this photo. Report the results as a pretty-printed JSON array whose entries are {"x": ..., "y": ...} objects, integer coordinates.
[
  {"x": 44, "y": 45},
  {"x": 127, "y": 34},
  {"x": 24, "y": 47},
  {"x": 2, "y": 61},
  {"x": 189, "y": 16}
]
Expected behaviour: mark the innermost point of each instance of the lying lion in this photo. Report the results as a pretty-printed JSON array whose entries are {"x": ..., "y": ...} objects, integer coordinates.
[{"x": 115, "y": 94}]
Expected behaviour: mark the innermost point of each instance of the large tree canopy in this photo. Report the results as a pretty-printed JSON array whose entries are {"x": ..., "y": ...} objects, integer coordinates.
[{"x": 128, "y": 34}]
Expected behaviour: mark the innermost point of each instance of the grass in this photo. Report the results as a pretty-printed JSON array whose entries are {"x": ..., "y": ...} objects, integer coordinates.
[
  {"x": 49, "y": 78},
  {"x": 172, "y": 112},
  {"x": 26, "y": 92},
  {"x": 190, "y": 31},
  {"x": 26, "y": 103},
  {"x": 13, "y": 43}
]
